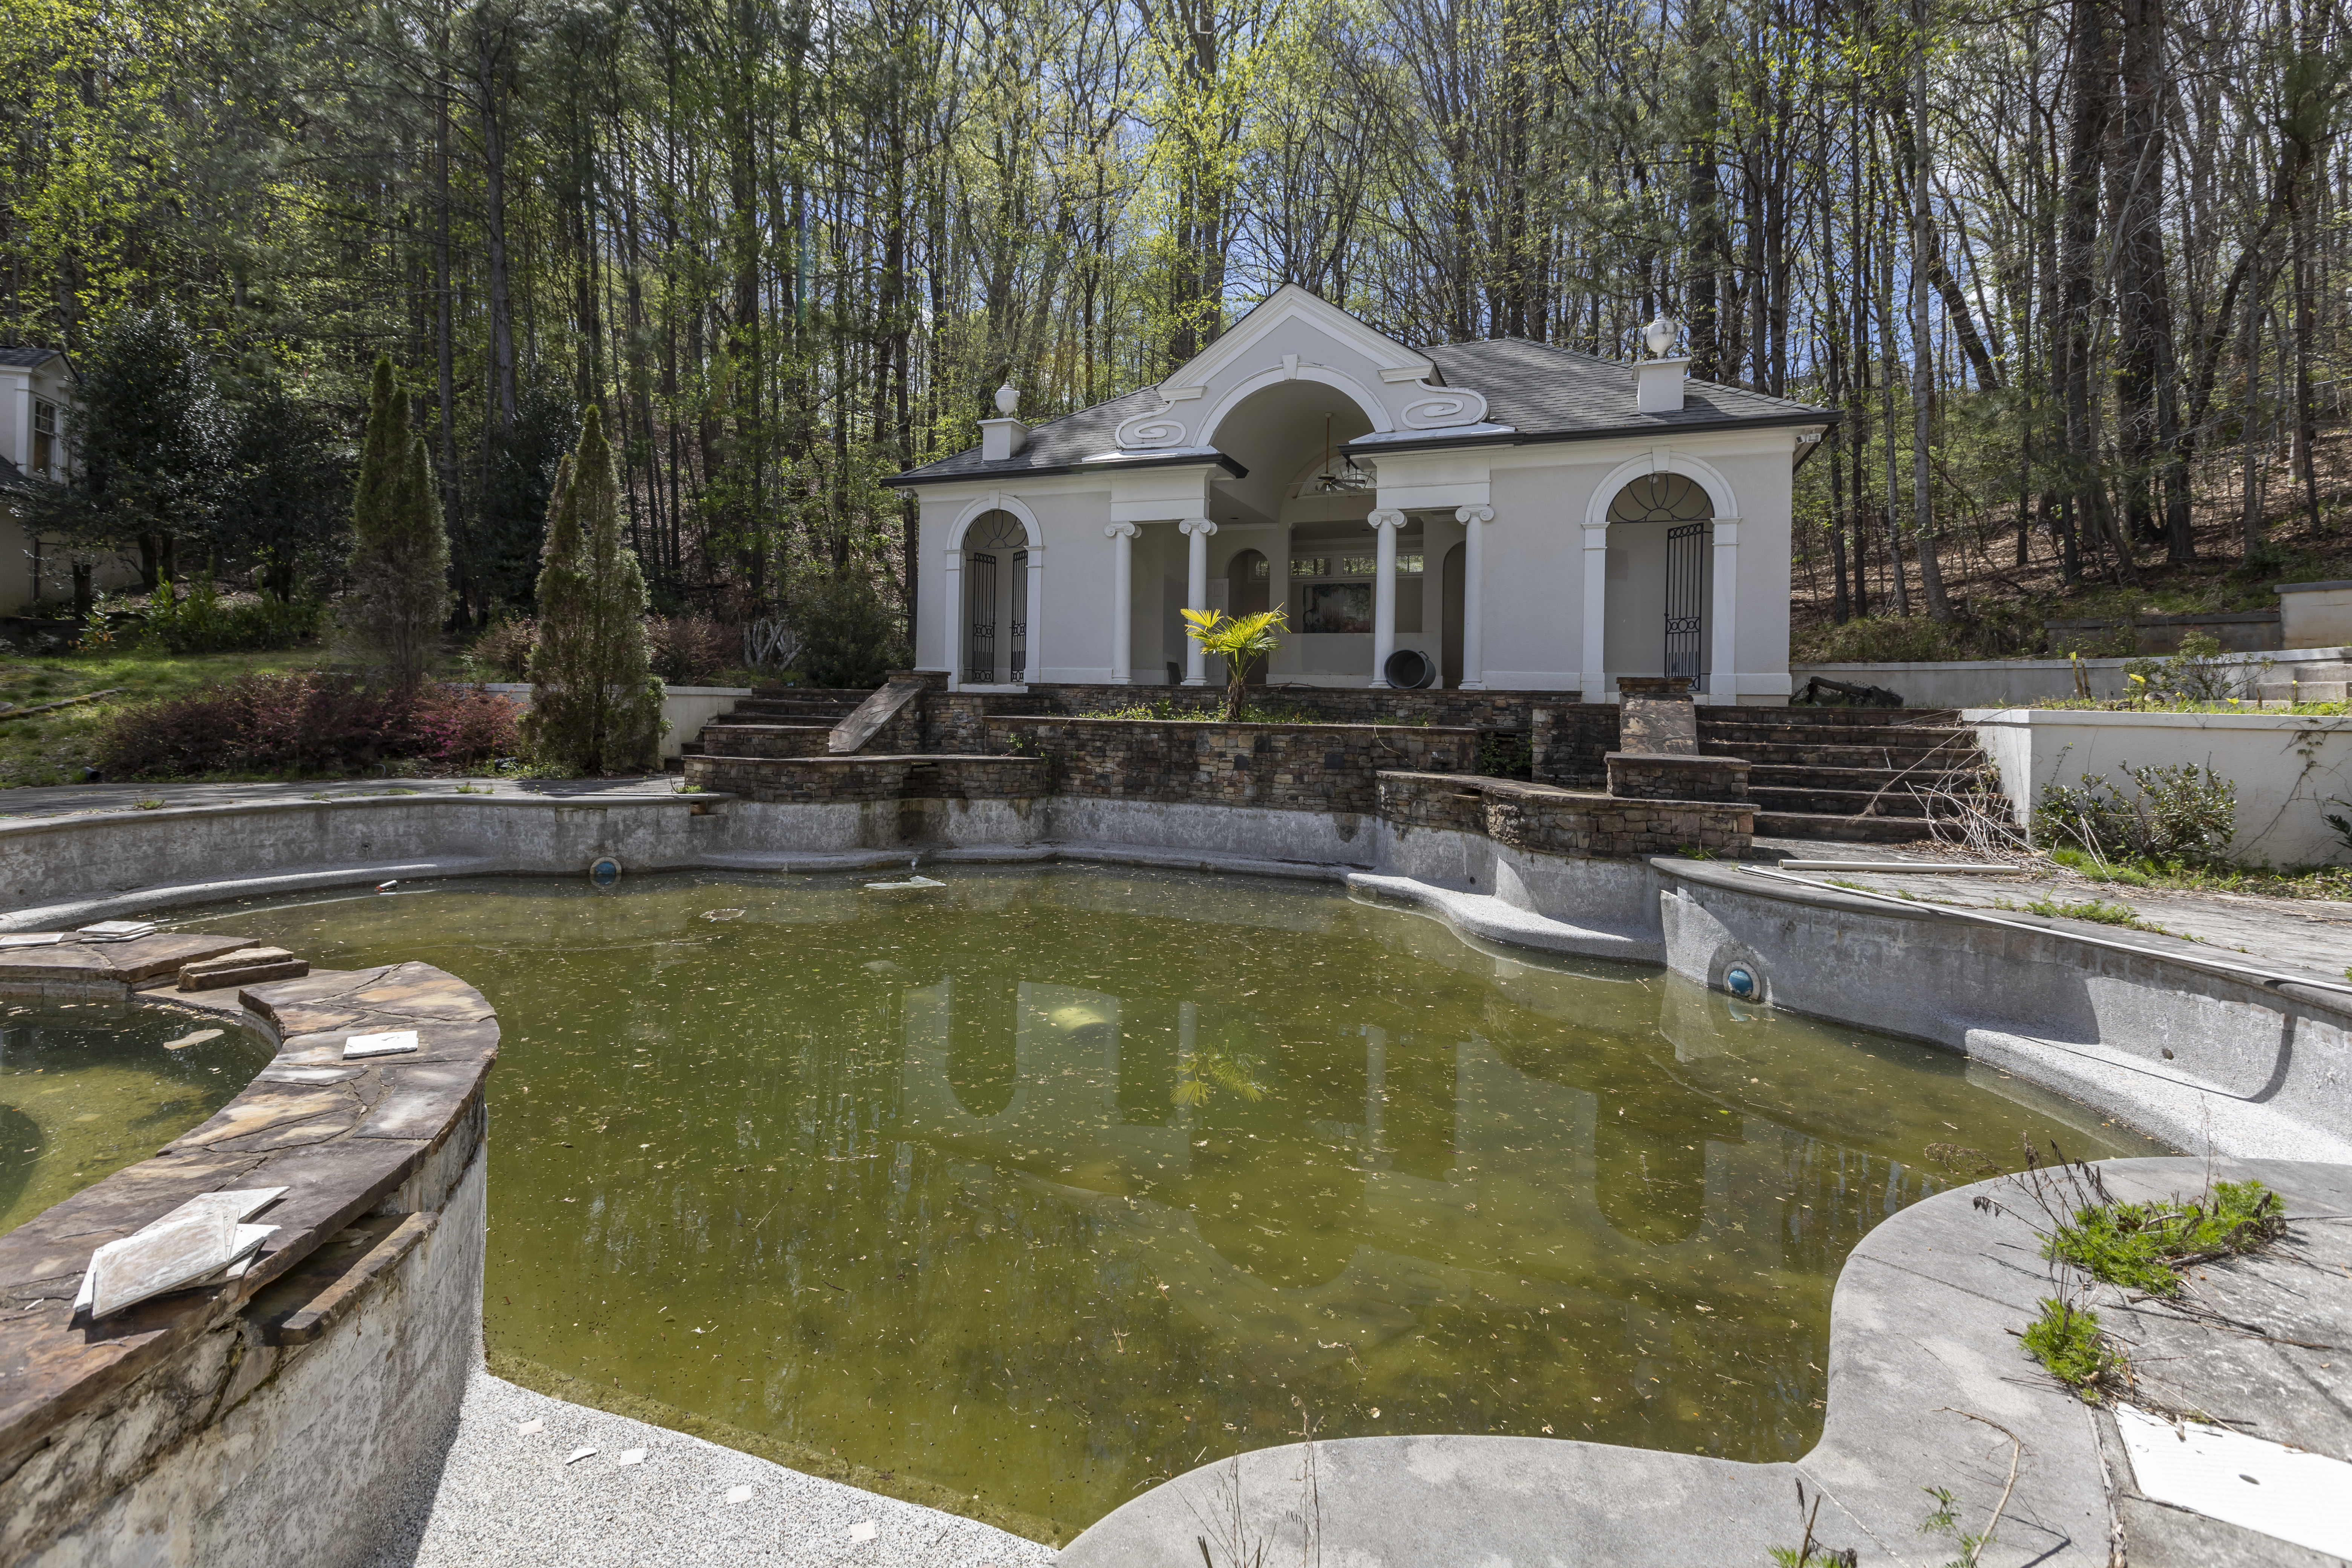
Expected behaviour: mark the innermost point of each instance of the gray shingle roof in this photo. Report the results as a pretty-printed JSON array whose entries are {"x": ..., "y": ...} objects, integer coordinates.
[
  {"x": 1542, "y": 392},
  {"x": 12, "y": 478},
  {"x": 1550, "y": 393},
  {"x": 25, "y": 358}
]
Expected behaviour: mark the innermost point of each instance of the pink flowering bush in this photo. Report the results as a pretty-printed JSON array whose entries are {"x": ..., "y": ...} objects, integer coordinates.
[{"x": 305, "y": 722}]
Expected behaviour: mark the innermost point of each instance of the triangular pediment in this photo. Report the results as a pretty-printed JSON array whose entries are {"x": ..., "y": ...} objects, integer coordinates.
[{"x": 1296, "y": 335}]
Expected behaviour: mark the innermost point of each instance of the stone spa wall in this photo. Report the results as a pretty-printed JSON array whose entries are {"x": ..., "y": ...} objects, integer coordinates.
[{"x": 276, "y": 1419}]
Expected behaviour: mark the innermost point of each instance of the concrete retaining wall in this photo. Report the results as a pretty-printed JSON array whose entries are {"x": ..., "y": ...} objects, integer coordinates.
[
  {"x": 2005, "y": 683},
  {"x": 685, "y": 709},
  {"x": 2291, "y": 773}
]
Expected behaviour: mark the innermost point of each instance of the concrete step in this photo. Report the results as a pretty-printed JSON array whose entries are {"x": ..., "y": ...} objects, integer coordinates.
[
  {"x": 1841, "y": 829},
  {"x": 1805, "y": 775},
  {"x": 1816, "y": 754},
  {"x": 1826, "y": 718},
  {"x": 776, "y": 710},
  {"x": 1894, "y": 802}
]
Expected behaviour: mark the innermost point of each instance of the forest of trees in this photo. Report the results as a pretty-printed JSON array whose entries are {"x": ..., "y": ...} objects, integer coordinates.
[{"x": 2053, "y": 262}]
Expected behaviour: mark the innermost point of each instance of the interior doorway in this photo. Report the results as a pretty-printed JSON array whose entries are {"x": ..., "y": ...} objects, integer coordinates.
[
  {"x": 1249, "y": 590},
  {"x": 1451, "y": 587}
]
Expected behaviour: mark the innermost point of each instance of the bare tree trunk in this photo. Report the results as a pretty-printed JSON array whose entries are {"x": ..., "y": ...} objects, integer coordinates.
[
  {"x": 1923, "y": 368},
  {"x": 2092, "y": 110}
]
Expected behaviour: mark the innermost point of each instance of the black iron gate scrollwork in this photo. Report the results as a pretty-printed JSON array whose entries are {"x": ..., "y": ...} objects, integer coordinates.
[
  {"x": 979, "y": 618},
  {"x": 1016, "y": 667},
  {"x": 1686, "y": 596}
]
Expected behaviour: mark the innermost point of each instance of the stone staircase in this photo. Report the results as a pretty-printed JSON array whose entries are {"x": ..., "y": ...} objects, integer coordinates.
[
  {"x": 776, "y": 722},
  {"x": 1857, "y": 775}
]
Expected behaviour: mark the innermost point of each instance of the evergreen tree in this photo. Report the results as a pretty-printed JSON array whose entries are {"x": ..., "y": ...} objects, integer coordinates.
[
  {"x": 400, "y": 549},
  {"x": 151, "y": 444},
  {"x": 596, "y": 702}
]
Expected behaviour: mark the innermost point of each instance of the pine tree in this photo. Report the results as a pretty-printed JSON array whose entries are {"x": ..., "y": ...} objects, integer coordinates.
[
  {"x": 400, "y": 549},
  {"x": 596, "y": 702}
]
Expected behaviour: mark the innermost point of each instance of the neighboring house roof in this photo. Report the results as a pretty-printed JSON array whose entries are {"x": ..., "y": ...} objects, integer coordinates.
[
  {"x": 25, "y": 358},
  {"x": 12, "y": 478},
  {"x": 1542, "y": 392}
]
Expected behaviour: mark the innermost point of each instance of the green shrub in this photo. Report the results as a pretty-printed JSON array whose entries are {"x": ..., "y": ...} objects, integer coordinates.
[
  {"x": 849, "y": 635},
  {"x": 2066, "y": 1341},
  {"x": 2197, "y": 674},
  {"x": 2142, "y": 1246},
  {"x": 200, "y": 622},
  {"x": 2187, "y": 814},
  {"x": 503, "y": 650}
]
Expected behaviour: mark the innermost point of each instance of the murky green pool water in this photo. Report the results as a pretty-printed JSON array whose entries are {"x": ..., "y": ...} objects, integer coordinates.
[
  {"x": 1051, "y": 1183},
  {"x": 89, "y": 1088}
]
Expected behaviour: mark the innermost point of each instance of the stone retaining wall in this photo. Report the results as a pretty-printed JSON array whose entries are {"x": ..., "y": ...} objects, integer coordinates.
[
  {"x": 862, "y": 778},
  {"x": 273, "y": 1419},
  {"x": 1651, "y": 776},
  {"x": 1571, "y": 741},
  {"x": 1327, "y": 767},
  {"x": 1546, "y": 820}
]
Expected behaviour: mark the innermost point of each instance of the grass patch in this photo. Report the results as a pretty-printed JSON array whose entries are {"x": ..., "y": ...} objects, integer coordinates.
[
  {"x": 53, "y": 748},
  {"x": 2263, "y": 882},
  {"x": 2065, "y": 1339},
  {"x": 2097, "y": 910},
  {"x": 2143, "y": 1246}
]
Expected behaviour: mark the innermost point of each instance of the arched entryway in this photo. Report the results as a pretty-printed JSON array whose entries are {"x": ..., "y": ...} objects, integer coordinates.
[
  {"x": 1660, "y": 578},
  {"x": 995, "y": 646}
]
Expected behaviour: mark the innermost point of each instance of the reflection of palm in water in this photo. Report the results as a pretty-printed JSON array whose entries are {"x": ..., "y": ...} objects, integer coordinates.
[{"x": 1216, "y": 1065}]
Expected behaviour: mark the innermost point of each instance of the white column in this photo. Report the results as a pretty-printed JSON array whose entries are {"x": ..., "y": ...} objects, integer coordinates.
[
  {"x": 1122, "y": 598},
  {"x": 1385, "y": 524},
  {"x": 1196, "y": 593},
  {"x": 1595, "y": 676},
  {"x": 1036, "y": 587},
  {"x": 1722, "y": 676},
  {"x": 1474, "y": 521},
  {"x": 951, "y": 585}
]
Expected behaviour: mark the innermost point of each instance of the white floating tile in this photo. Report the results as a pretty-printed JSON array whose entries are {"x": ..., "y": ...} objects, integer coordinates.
[
  {"x": 738, "y": 1494},
  {"x": 577, "y": 1455},
  {"x": 630, "y": 1456},
  {"x": 2256, "y": 1485},
  {"x": 527, "y": 1429},
  {"x": 390, "y": 1043},
  {"x": 862, "y": 1530}
]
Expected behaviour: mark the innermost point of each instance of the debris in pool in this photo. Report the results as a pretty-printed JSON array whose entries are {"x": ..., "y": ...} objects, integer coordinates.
[
  {"x": 910, "y": 884},
  {"x": 527, "y": 1429},
  {"x": 862, "y": 1530},
  {"x": 722, "y": 914},
  {"x": 116, "y": 931},
  {"x": 738, "y": 1494},
  {"x": 386, "y": 886},
  {"x": 390, "y": 1043},
  {"x": 630, "y": 1456},
  {"x": 883, "y": 966},
  {"x": 577, "y": 1455},
  {"x": 198, "y": 1039},
  {"x": 31, "y": 938},
  {"x": 204, "y": 1241}
]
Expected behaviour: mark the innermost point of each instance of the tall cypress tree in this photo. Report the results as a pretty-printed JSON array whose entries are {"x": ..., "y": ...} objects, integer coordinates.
[
  {"x": 400, "y": 549},
  {"x": 596, "y": 702}
]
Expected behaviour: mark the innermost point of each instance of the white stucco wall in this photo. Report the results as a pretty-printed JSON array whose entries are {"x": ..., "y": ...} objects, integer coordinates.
[{"x": 2287, "y": 770}]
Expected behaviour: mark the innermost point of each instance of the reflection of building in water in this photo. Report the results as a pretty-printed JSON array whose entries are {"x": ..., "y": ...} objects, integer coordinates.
[{"x": 1431, "y": 1168}]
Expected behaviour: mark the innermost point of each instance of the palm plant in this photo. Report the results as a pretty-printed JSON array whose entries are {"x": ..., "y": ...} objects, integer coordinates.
[{"x": 1241, "y": 641}]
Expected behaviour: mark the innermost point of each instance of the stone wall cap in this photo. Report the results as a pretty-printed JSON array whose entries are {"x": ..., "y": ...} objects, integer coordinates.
[{"x": 2312, "y": 587}]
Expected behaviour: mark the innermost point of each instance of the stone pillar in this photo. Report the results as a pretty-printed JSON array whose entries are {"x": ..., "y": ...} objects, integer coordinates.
[
  {"x": 1122, "y": 598},
  {"x": 1035, "y": 588},
  {"x": 1722, "y": 679},
  {"x": 1596, "y": 611},
  {"x": 1385, "y": 524},
  {"x": 1474, "y": 521},
  {"x": 1196, "y": 593}
]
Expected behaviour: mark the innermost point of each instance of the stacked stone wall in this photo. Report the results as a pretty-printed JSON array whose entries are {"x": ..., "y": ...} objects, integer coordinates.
[
  {"x": 1571, "y": 742},
  {"x": 1578, "y": 824},
  {"x": 854, "y": 779},
  {"x": 1324, "y": 767}
]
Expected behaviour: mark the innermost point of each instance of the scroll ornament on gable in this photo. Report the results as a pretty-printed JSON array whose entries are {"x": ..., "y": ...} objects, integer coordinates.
[
  {"x": 1441, "y": 407},
  {"x": 1158, "y": 426}
]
